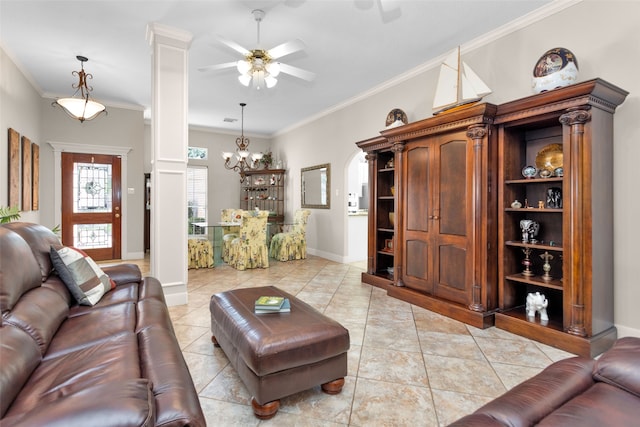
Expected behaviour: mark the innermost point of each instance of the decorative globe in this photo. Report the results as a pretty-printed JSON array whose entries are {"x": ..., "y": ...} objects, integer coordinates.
[{"x": 558, "y": 67}]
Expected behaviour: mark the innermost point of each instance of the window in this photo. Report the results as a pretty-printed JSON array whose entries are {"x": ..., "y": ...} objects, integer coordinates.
[
  {"x": 197, "y": 178},
  {"x": 197, "y": 153}
]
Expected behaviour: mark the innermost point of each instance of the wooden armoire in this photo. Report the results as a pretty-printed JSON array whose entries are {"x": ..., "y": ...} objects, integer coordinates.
[{"x": 444, "y": 202}]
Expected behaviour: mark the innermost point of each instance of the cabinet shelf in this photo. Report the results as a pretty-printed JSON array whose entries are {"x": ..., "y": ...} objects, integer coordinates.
[
  {"x": 532, "y": 180},
  {"x": 264, "y": 189},
  {"x": 519, "y": 315},
  {"x": 386, "y": 197},
  {"x": 386, "y": 253},
  {"x": 386, "y": 230},
  {"x": 537, "y": 281},
  {"x": 544, "y": 210},
  {"x": 386, "y": 170},
  {"x": 541, "y": 246}
]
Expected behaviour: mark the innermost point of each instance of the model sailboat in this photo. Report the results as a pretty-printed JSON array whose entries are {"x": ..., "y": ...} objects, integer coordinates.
[{"x": 457, "y": 85}]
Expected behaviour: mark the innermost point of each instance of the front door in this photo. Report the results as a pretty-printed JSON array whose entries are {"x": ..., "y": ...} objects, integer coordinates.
[{"x": 91, "y": 198}]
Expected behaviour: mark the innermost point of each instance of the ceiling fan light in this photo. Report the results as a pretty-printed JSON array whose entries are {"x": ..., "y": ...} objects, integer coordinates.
[
  {"x": 243, "y": 66},
  {"x": 273, "y": 68},
  {"x": 258, "y": 79},
  {"x": 245, "y": 79},
  {"x": 270, "y": 81}
]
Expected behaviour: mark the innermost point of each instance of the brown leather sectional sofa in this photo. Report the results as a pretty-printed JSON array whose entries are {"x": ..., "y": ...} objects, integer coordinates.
[
  {"x": 116, "y": 363},
  {"x": 578, "y": 392}
]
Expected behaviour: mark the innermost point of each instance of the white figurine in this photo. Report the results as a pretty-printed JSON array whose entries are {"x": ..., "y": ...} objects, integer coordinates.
[{"x": 537, "y": 302}]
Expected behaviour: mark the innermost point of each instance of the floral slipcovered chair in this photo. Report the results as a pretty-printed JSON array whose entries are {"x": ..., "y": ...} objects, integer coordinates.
[
  {"x": 200, "y": 253},
  {"x": 231, "y": 232},
  {"x": 249, "y": 249},
  {"x": 292, "y": 244}
]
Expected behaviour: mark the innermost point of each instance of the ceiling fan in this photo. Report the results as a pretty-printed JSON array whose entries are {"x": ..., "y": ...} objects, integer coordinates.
[{"x": 260, "y": 66}]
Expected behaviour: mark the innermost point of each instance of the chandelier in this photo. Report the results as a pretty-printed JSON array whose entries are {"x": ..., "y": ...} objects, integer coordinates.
[
  {"x": 244, "y": 160},
  {"x": 81, "y": 107}
]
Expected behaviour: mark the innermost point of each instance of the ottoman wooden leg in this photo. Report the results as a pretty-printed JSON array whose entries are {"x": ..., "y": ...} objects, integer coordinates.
[
  {"x": 266, "y": 411},
  {"x": 333, "y": 387},
  {"x": 214, "y": 341}
]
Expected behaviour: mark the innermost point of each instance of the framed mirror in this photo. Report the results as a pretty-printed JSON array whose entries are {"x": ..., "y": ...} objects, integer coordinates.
[{"x": 316, "y": 186}]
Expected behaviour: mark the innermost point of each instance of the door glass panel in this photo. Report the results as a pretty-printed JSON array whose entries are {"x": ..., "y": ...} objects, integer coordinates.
[
  {"x": 92, "y": 236},
  {"x": 92, "y": 187}
]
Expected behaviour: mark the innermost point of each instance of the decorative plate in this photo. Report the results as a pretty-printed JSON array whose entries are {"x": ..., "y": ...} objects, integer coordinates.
[
  {"x": 550, "y": 157},
  {"x": 546, "y": 173},
  {"x": 529, "y": 172},
  {"x": 396, "y": 115}
]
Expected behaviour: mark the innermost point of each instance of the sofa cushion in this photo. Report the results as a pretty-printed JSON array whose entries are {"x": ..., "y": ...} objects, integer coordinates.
[
  {"x": 85, "y": 280},
  {"x": 19, "y": 355},
  {"x": 14, "y": 282},
  {"x": 619, "y": 365},
  {"x": 128, "y": 402},
  {"x": 39, "y": 313},
  {"x": 39, "y": 238},
  {"x": 112, "y": 360}
]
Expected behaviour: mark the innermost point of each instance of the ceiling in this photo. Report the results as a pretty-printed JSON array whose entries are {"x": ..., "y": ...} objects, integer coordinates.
[{"x": 351, "y": 45}]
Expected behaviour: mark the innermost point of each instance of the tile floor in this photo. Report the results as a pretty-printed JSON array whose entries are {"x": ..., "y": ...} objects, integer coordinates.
[{"x": 407, "y": 366}]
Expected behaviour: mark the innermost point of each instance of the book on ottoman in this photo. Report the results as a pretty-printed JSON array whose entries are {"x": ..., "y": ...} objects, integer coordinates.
[{"x": 267, "y": 304}]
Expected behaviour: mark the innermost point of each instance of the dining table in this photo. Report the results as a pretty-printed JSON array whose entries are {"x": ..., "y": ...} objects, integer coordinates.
[{"x": 215, "y": 232}]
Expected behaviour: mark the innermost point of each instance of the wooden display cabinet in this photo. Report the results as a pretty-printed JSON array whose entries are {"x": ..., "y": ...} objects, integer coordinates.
[
  {"x": 381, "y": 231},
  {"x": 445, "y": 258},
  {"x": 444, "y": 236},
  {"x": 578, "y": 235},
  {"x": 264, "y": 189}
]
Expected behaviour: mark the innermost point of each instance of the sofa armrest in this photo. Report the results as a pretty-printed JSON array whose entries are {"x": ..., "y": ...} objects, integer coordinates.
[
  {"x": 123, "y": 273},
  {"x": 619, "y": 365},
  {"x": 532, "y": 400}
]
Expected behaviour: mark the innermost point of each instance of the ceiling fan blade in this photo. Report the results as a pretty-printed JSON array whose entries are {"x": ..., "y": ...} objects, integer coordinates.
[
  {"x": 219, "y": 66},
  {"x": 297, "y": 72},
  {"x": 233, "y": 45},
  {"x": 286, "y": 48}
]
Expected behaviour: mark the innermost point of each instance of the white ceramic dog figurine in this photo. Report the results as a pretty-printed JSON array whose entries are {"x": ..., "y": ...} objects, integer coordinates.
[{"x": 537, "y": 302}]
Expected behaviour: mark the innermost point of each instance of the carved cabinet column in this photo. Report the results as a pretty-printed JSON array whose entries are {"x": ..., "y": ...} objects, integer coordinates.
[{"x": 579, "y": 265}]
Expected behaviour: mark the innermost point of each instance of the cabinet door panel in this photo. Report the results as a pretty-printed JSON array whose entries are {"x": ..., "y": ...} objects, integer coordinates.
[
  {"x": 452, "y": 183},
  {"x": 452, "y": 280},
  {"x": 417, "y": 187},
  {"x": 416, "y": 273}
]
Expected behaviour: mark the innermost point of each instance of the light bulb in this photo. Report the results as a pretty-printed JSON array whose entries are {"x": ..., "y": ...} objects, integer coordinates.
[{"x": 243, "y": 66}]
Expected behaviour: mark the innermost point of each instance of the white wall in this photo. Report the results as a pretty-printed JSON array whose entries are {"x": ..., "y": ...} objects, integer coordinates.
[
  {"x": 603, "y": 36},
  {"x": 19, "y": 110}
]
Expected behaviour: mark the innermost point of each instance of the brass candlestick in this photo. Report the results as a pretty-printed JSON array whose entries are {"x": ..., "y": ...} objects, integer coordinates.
[
  {"x": 546, "y": 257},
  {"x": 527, "y": 262}
]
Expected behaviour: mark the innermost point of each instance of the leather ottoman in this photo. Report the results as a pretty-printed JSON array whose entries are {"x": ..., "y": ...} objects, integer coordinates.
[{"x": 278, "y": 354}]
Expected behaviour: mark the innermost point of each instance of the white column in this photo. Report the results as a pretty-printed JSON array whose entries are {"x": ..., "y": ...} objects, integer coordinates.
[{"x": 169, "y": 141}]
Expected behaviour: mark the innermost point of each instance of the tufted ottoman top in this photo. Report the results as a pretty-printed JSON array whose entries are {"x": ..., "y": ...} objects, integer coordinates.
[{"x": 274, "y": 342}]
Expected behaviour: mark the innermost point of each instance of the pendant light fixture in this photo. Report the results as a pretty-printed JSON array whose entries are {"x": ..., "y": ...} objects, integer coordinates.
[
  {"x": 244, "y": 159},
  {"x": 81, "y": 107}
]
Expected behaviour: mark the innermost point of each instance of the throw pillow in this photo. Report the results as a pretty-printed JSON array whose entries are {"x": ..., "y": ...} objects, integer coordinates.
[{"x": 85, "y": 280}]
